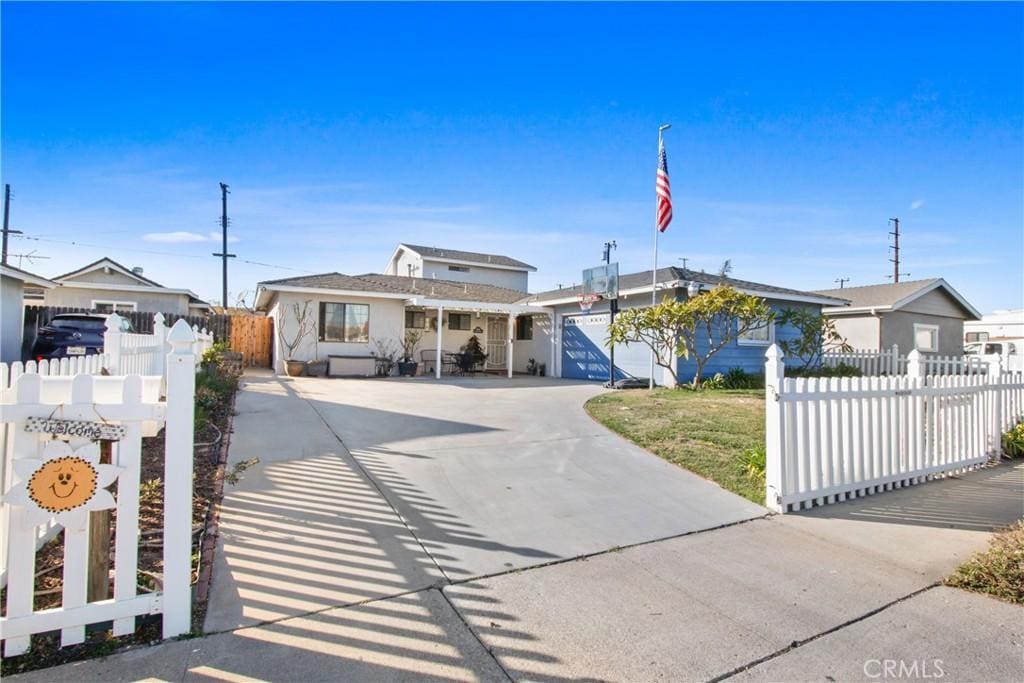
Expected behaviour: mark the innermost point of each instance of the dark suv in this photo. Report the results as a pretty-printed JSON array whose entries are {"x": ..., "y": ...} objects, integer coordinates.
[{"x": 73, "y": 334}]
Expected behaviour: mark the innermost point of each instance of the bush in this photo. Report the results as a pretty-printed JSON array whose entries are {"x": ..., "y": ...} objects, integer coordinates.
[
  {"x": 841, "y": 370},
  {"x": 999, "y": 571},
  {"x": 738, "y": 378},
  {"x": 1013, "y": 441},
  {"x": 212, "y": 354}
]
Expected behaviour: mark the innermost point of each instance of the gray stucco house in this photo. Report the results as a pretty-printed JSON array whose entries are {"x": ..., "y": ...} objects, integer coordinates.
[
  {"x": 106, "y": 286},
  {"x": 927, "y": 315}
]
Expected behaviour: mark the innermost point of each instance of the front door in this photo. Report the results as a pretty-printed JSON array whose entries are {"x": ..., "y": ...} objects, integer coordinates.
[{"x": 497, "y": 339}]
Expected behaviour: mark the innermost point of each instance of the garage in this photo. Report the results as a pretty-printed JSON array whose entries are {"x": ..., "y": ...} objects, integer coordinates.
[{"x": 585, "y": 354}]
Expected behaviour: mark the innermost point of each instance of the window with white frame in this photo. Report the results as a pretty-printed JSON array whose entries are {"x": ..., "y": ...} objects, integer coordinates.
[
  {"x": 762, "y": 335},
  {"x": 102, "y": 306},
  {"x": 926, "y": 337}
]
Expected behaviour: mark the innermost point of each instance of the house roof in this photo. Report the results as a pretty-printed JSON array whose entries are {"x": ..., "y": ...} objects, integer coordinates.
[
  {"x": 144, "y": 282},
  {"x": 455, "y": 255},
  {"x": 26, "y": 277},
  {"x": 894, "y": 295},
  {"x": 673, "y": 276},
  {"x": 392, "y": 286}
]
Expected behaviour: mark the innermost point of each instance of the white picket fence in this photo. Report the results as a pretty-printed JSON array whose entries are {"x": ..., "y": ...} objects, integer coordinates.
[
  {"x": 143, "y": 354},
  {"x": 890, "y": 362},
  {"x": 831, "y": 439},
  {"x": 134, "y": 403}
]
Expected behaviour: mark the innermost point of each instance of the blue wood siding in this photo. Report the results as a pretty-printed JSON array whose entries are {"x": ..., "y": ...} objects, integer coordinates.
[{"x": 748, "y": 358}]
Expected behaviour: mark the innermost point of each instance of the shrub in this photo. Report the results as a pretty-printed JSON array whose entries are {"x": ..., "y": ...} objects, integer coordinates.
[
  {"x": 1013, "y": 441},
  {"x": 841, "y": 370},
  {"x": 212, "y": 354},
  {"x": 717, "y": 381},
  {"x": 999, "y": 571},
  {"x": 738, "y": 378}
]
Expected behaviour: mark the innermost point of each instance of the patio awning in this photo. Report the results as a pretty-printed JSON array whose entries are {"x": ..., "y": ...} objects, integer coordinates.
[{"x": 478, "y": 306}]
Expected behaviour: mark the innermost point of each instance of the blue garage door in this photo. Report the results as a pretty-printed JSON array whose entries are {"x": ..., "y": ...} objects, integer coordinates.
[{"x": 585, "y": 356}]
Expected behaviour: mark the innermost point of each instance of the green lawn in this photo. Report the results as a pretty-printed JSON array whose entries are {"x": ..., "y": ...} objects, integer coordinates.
[{"x": 707, "y": 432}]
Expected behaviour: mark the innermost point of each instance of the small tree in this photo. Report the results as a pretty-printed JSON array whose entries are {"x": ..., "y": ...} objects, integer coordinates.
[
  {"x": 409, "y": 345},
  {"x": 474, "y": 350},
  {"x": 675, "y": 328},
  {"x": 305, "y": 325},
  {"x": 818, "y": 334}
]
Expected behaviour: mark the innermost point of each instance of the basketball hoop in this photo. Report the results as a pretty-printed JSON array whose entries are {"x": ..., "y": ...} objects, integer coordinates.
[{"x": 586, "y": 301}]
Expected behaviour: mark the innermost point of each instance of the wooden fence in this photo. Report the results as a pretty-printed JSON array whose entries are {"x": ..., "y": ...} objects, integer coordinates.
[
  {"x": 131, "y": 408},
  {"x": 251, "y": 335},
  {"x": 831, "y": 439}
]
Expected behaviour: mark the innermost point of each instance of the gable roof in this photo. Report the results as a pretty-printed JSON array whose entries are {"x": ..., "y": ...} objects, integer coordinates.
[
  {"x": 107, "y": 262},
  {"x": 26, "y": 277},
  {"x": 144, "y": 282},
  {"x": 671, "y": 277},
  {"x": 891, "y": 296},
  {"x": 457, "y": 256},
  {"x": 390, "y": 287}
]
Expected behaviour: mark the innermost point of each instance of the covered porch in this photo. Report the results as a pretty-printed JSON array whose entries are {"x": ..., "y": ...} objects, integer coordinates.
[{"x": 447, "y": 325}]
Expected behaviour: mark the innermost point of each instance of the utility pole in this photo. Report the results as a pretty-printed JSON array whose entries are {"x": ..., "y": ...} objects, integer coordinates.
[
  {"x": 7, "y": 222},
  {"x": 684, "y": 259},
  {"x": 842, "y": 281},
  {"x": 224, "y": 255},
  {"x": 896, "y": 250}
]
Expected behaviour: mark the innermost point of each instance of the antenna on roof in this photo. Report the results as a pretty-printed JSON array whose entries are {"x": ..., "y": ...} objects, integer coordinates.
[{"x": 842, "y": 281}]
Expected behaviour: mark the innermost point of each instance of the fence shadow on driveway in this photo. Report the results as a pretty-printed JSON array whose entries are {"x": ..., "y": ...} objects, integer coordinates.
[{"x": 318, "y": 578}]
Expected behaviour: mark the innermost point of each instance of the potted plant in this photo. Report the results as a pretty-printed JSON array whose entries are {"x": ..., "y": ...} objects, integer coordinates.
[
  {"x": 304, "y": 325},
  {"x": 473, "y": 352},
  {"x": 407, "y": 365},
  {"x": 385, "y": 354}
]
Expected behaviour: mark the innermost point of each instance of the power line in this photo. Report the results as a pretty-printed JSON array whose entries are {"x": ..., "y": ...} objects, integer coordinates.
[{"x": 152, "y": 251}]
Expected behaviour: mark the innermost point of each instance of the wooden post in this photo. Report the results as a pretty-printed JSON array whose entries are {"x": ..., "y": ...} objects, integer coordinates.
[
  {"x": 99, "y": 543},
  {"x": 774, "y": 428},
  {"x": 179, "y": 437},
  {"x": 112, "y": 343}
]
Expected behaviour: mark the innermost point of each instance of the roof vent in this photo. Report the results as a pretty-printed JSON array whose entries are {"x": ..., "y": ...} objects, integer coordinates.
[{"x": 137, "y": 270}]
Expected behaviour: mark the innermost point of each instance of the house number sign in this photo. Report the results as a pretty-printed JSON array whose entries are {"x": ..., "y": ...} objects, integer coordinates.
[{"x": 82, "y": 428}]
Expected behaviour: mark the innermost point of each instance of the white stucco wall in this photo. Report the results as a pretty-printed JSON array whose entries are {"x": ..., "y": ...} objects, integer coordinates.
[
  {"x": 11, "y": 319},
  {"x": 400, "y": 265},
  {"x": 387, "y": 321},
  {"x": 511, "y": 279}
]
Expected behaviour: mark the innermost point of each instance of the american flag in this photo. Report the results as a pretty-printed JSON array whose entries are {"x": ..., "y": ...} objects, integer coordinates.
[{"x": 663, "y": 190}]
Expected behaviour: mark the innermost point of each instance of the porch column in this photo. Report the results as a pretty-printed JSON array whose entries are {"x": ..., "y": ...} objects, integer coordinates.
[
  {"x": 554, "y": 343},
  {"x": 440, "y": 326},
  {"x": 511, "y": 336}
]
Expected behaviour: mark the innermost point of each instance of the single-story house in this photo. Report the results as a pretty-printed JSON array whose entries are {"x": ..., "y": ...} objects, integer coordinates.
[
  {"x": 583, "y": 353},
  {"x": 432, "y": 263},
  {"x": 106, "y": 286},
  {"x": 13, "y": 282},
  {"x": 355, "y": 317},
  {"x": 927, "y": 315}
]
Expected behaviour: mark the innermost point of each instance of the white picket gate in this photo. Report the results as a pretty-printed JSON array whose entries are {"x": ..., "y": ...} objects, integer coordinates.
[
  {"x": 831, "y": 439},
  {"x": 133, "y": 403}
]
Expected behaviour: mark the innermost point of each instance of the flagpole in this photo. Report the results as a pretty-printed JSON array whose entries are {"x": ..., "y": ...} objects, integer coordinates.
[{"x": 654, "y": 272}]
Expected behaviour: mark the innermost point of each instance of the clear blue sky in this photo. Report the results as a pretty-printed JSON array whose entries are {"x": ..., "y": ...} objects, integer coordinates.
[{"x": 529, "y": 130}]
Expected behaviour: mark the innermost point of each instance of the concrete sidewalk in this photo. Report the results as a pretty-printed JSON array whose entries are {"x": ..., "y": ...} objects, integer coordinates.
[{"x": 377, "y": 564}]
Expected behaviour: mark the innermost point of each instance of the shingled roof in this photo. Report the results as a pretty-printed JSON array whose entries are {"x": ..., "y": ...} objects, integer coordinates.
[
  {"x": 673, "y": 274},
  {"x": 467, "y": 256},
  {"x": 892, "y": 295},
  {"x": 375, "y": 283}
]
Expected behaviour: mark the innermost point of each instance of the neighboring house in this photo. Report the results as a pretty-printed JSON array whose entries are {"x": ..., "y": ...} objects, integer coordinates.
[
  {"x": 1008, "y": 324},
  {"x": 431, "y": 263},
  {"x": 927, "y": 315},
  {"x": 583, "y": 354},
  {"x": 357, "y": 316},
  {"x": 106, "y": 286},
  {"x": 13, "y": 282}
]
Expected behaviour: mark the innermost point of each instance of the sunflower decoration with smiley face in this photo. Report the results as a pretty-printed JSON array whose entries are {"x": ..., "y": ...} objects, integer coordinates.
[{"x": 66, "y": 484}]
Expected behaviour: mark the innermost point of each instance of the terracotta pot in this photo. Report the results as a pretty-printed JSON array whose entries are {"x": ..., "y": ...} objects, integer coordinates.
[{"x": 295, "y": 368}]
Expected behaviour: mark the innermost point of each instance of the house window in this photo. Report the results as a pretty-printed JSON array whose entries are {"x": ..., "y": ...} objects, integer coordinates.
[
  {"x": 926, "y": 337},
  {"x": 459, "y": 269},
  {"x": 976, "y": 337},
  {"x": 416, "y": 320},
  {"x": 459, "y": 321},
  {"x": 524, "y": 328},
  {"x": 101, "y": 306},
  {"x": 344, "y": 322},
  {"x": 758, "y": 336}
]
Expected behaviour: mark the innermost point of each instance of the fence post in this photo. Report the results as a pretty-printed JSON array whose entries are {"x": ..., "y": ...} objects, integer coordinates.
[
  {"x": 915, "y": 368},
  {"x": 994, "y": 378},
  {"x": 178, "y": 445},
  {"x": 160, "y": 339},
  {"x": 112, "y": 343},
  {"x": 894, "y": 360},
  {"x": 774, "y": 372}
]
